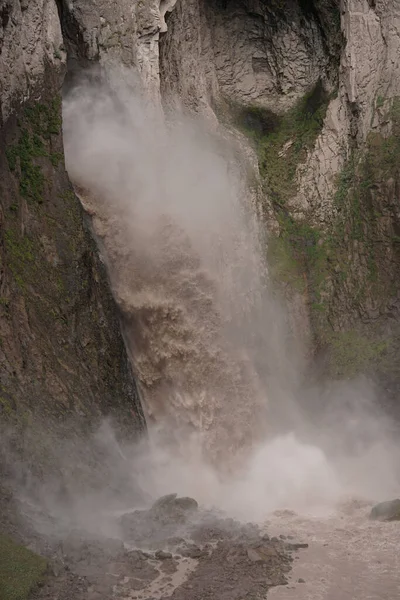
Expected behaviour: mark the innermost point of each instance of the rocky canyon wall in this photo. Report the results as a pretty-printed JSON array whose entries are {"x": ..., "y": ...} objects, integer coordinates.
[
  {"x": 308, "y": 88},
  {"x": 315, "y": 87},
  {"x": 63, "y": 363}
]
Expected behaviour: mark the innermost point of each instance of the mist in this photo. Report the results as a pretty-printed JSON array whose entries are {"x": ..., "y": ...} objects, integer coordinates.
[{"x": 208, "y": 338}]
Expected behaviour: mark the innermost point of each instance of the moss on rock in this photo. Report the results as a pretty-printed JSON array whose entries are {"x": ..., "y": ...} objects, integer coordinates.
[
  {"x": 37, "y": 125},
  {"x": 20, "y": 570},
  {"x": 282, "y": 141},
  {"x": 62, "y": 357},
  {"x": 352, "y": 353},
  {"x": 346, "y": 268}
]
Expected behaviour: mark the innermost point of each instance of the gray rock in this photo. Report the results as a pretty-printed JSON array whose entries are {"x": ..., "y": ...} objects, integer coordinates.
[
  {"x": 191, "y": 551},
  {"x": 162, "y": 555},
  {"x": 186, "y": 503},
  {"x": 386, "y": 511},
  {"x": 164, "y": 502},
  {"x": 254, "y": 556}
]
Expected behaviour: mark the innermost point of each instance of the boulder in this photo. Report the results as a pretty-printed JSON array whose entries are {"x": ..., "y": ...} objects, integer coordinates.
[{"x": 386, "y": 511}]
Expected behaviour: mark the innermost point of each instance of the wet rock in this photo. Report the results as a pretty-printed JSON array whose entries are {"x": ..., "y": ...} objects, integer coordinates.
[
  {"x": 139, "y": 555},
  {"x": 386, "y": 511},
  {"x": 160, "y": 524},
  {"x": 163, "y": 502},
  {"x": 186, "y": 503},
  {"x": 79, "y": 548},
  {"x": 162, "y": 555},
  {"x": 169, "y": 566},
  {"x": 191, "y": 551},
  {"x": 295, "y": 546},
  {"x": 171, "y": 503},
  {"x": 254, "y": 556},
  {"x": 175, "y": 542}
]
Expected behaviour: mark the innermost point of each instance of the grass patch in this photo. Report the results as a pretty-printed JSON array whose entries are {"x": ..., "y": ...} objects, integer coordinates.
[
  {"x": 45, "y": 119},
  {"x": 21, "y": 158},
  {"x": 283, "y": 141},
  {"x": 352, "y": 353},
  {"x": 300, "y": 256},
  {"x": 358, "y": 213},
  {"x": 20, "y": 570},
  {"x": 283, "y": 266},
  {"x": 26, "y": 261},
  {"x": 38, "y": 124},
  {"x": 21, "y": 256}
]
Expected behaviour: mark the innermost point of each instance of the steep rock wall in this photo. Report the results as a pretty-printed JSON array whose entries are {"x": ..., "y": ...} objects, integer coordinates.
[
  {"x": 123, "y": 32},
  {"x": 63, "y": 362},
  {"x": 314, "y": 85}
]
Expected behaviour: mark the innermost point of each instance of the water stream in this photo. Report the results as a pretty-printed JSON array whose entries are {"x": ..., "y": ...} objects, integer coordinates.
[{"x": 209, "y": 347}]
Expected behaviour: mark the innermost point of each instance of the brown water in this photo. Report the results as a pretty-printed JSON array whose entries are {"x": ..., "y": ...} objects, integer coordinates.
[
  {"x": 349, "y": 557},
  {"x": 182, "y": 245},
  {"x": 209, "y": 348}
]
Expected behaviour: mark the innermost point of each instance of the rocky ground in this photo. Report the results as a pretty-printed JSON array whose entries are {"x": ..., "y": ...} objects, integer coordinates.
[{"x": 172, "y": 550}]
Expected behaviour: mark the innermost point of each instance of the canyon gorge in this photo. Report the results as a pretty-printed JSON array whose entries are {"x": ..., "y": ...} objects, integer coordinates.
[{"x": 199, "y": 295}]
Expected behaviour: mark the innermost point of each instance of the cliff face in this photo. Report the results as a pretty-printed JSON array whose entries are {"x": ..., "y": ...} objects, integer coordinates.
[
  {"x": 62, "y": 357},
  {"x": 315, "y": 86},
  {"x": 312, "y": 86}
]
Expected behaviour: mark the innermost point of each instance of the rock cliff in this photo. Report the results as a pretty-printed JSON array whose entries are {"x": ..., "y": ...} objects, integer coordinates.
[
  {"x": 312, "y": 87},
  {"x": 315, "y": 87},
  {"x": 62, "y": 356},
  {"x": 309, "y": 90}
]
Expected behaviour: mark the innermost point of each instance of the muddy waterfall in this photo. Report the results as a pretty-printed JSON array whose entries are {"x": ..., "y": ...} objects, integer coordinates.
[{"x": 199, "y": 301}]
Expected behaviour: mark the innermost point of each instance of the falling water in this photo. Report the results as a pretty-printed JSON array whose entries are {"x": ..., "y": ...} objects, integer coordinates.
[
  {"x": 207, "y": 338},
  {"x": 185, "y": 260}
]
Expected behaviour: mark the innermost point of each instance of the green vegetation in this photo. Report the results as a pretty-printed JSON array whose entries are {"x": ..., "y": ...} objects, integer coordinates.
[
  {"x": 355, "y": 199},
  {"x": 56, "y": 158},
  {"x": 5, "y": 406},
  {"x": 302, "y": 257},
  {"x": 22, "y": 155},
  {"x": 21, "y": 256},
  {"x": 45, "y": 118},
  {"x": 345, "y": 180},
  {"x": 346, "y": 258},
  {"x": 20, "y": 570},
  {"x": 352, "y": 353},
  {"x": 38, "y": 124},
  {"x": 284, "y": 267},
  {"x": 283, "y": 141}
]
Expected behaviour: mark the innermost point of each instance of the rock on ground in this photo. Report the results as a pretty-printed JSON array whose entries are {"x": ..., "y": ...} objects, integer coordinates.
[
  {"x": 192, "y": 554},
  {"x": 386, "y": 511}
]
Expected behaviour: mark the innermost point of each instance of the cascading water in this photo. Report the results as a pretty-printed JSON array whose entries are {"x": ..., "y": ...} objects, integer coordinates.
[
  {"x": 207, "y": 339},
  {"x": 186, "y": 268}
]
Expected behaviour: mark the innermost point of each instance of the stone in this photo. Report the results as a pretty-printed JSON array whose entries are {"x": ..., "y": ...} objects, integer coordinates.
[
  {"x": 186, "y": 503},
  {"x": 191, "y": 551},
  {"x": 162, "y": 555},
  {"x": 254, "y": 556},
  {"x": 296, "y": 546},
  {"x": 386, "y": 511},
  {"x": 164, "y": 501}
]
